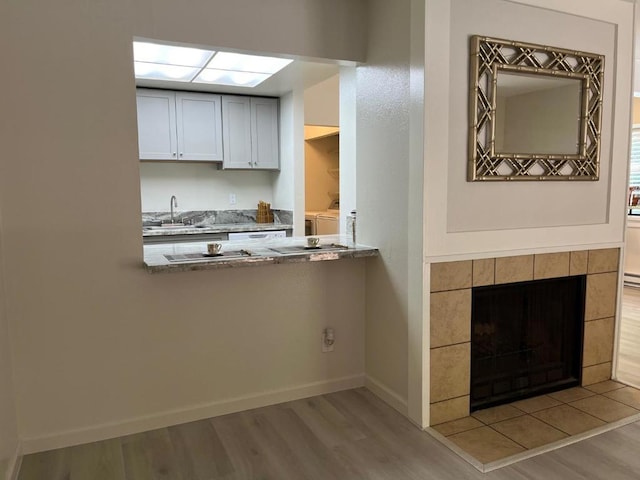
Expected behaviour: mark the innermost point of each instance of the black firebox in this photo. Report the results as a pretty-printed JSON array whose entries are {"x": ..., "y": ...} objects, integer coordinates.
[{"x": 526, "y": 339}]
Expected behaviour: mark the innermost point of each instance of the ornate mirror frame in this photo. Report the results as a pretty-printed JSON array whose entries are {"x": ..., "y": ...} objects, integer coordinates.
[{"x": 489, "y": 56}]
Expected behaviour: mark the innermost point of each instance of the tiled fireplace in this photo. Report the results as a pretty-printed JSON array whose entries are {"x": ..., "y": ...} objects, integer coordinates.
[{"x": 451, "y": 293}]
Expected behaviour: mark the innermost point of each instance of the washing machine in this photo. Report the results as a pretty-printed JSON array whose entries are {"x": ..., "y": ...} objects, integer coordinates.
[{"x": 325, "y": 222}]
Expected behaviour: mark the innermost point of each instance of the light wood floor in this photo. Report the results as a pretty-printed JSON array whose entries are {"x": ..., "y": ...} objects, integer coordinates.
[
  {"x": 629, "y": 349},
  {"x": 342, "y": 436}
]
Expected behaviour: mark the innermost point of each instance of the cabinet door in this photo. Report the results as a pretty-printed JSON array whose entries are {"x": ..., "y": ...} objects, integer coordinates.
[
  {"x": 236, "y": 131},
  {"x": 199, "y": 120},
  {"x": 264, "y": 133},
  {"x": 156, "y": 125}
]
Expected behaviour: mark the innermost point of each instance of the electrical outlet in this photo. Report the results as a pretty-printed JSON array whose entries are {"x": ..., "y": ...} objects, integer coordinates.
[
  {"x": 232, "y": 199},
  {"x": 328, "y": 340}
]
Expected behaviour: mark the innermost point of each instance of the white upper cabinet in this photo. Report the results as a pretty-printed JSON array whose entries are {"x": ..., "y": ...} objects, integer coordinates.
[
  {"x": 199, "y": 122},
  {"x": 157, "y": 125},
  {"x": 179, "y": 126},
  {"x": 250, "y": 132},
  {"x": 236, "y": 132},
  {"x": 264, "y": 133}
]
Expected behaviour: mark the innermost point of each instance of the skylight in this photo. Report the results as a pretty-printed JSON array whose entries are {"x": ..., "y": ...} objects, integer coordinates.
[{"x": 154, "y": 61}]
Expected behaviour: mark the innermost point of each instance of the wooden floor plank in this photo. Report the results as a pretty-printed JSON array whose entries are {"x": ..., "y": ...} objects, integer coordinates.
[
  {"x": 199, "y": 451},
  {"x": 150, "y": 456},
  {"x": 346, "y": 435},
  {"x": 98, "y": 461},
  {"x": 51, "y": 465}
]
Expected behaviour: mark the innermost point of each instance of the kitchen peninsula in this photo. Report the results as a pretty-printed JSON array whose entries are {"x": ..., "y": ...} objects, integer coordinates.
[{"x": 180, "y": 257}]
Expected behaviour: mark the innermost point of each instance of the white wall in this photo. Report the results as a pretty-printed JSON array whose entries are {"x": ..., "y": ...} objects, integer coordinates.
[
  {"x": 389, "y": 194},
  {"x": 322, "y": 103},
  {"x": 8, "y": 427},
  {"x": 475, "y": 218},
  {"x": 202, "y": 187},
  {"x": 101, "y": 347}
]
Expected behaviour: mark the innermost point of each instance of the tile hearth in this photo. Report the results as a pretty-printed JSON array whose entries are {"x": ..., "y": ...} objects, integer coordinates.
[{"x": 498, "y": 433}]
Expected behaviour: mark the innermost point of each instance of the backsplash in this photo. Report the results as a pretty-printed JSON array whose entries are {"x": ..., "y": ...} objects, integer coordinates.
[{"x": 214, "y": 217}]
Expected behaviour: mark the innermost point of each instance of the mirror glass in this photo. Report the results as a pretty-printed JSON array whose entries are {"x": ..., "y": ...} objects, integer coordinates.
[{"x": 537, "y": 114}]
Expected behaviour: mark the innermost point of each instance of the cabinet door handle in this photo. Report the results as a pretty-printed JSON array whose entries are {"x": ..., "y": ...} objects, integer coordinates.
[
  {"x": 173, "y": 154},
  {"x": 249, "y": 163},
  {"x": 181, "y": 153}
]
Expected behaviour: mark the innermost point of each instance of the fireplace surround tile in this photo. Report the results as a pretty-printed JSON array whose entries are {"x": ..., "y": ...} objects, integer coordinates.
[
  {"x": 484, "y": 272},
  {"x": 605, "y": 260},
  {"x": 571, "y": 394},
  {"x": 450, "y": 276},
  {"x": 596, "y": 373},
  {"x": 450, "y": 312},
  {"x": 605, "y": 387},
  {"x": 450, "y": 365},
  {"x": 450, "y": 372},
  {"x": 514, "y": 269},
  {"x": 497, "y": 414},
  {"x": 578, "y": 263},
  {"x": 448, "y": 410},
  {"x": 601, "y": 296},
  {"x": 604, "y": 408},
  {"x": 536, "y": 404},
  {"x": 627, "y": 395},
  {"x": 551, "y": 265},
  {"x": 528, "y": 431},
  {"x": 486, "y": 444},
  {"x": 598, "y": 342},
  {"x": 458, "y": 426},
  {"x": 569, "y": 419}
]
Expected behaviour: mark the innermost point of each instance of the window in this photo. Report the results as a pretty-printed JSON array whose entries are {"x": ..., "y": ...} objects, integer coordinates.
[{"x": 634, "y": 172}]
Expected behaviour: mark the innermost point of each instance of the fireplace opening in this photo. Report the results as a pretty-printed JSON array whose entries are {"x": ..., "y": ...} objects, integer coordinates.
[{"x": 526, "y": 339}]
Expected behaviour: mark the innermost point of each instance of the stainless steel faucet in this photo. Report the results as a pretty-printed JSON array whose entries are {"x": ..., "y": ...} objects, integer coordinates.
[{"x": 173, "y": 203}]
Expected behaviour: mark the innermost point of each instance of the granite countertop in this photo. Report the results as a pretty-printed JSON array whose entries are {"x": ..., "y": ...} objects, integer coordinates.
[
  {"x": 180, "y": 257},
  {"x": 217, "y": 228}
]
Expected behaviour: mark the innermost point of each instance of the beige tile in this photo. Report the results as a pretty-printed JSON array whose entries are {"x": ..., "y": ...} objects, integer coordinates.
[
  {"x": 578, "y": 263},
  {"x": 598, "y": 342},
  {"x": 453, "y": 409},
  {"x": 601, "y": 296},
  {"x": 514, "y": 269},
  {"x": 551, "y": 265},
  {"x": 484, "y": 272},
  {"x": 457, "y": 426},
  {"x": 450, "y": 317},
  {"x": 604, "y": 408},
  {"x": 606, "y": 386},
  {"x": 605, "y": 260},
  {"x": 486, "y": 444},
  {"x": 596, "y": 374},
  {"x": 627, "y": 395},
  {"x": 568, "y": 419},
  {"x": 497, "y": 414},
  {"x": 528, "y": 431},
  {"x": 450, "y": 372},
  {"x": 571, "y": 394},
  {"x": 536, "y": 403},
  {"x": 450, "y": 275}
]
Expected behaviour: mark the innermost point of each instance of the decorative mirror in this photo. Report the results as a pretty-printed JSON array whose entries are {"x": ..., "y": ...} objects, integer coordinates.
[{"x": 535, "y": 112}]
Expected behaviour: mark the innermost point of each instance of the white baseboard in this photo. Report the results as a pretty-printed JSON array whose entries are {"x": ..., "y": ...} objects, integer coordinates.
[
  {"x": 387, "y": 395},
  {"x": 188, "y": 414},
  {"x": 15, "y": 462}
]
